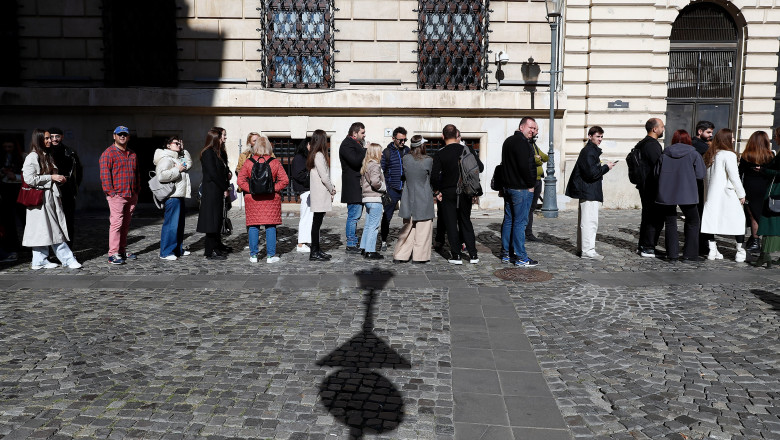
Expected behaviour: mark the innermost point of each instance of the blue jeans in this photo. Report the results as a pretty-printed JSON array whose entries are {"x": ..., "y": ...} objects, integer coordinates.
[
  {"x": 517, "y": 203},
  {"x": 172, "y": 233},
  {"x": 270, "y": 240},
  {"x": 373, "y": 218},
  {"x": 354, "y": 211}
]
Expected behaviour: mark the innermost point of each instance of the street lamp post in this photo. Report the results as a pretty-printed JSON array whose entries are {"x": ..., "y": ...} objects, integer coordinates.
[{"x": 550, "y": 204}]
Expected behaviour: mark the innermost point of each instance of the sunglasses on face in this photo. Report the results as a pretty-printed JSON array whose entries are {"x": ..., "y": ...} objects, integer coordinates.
[
  {"x": 123, "y": 135},
  {"x": 403, "y": 141}
]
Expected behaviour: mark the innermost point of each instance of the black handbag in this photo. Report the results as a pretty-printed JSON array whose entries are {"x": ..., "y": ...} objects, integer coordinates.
[
  {"x": 227, "y": 224},
  {"x": 386, "y": 200}
]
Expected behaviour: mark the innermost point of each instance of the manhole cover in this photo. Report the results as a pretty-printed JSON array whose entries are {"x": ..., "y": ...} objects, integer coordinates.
[{"x": 523, "y": 275}]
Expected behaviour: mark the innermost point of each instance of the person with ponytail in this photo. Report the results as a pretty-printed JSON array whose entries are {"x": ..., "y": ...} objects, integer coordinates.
[{"x": 45, "y": 225}]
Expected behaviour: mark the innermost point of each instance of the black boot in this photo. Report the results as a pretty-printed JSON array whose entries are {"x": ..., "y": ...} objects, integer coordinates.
[
  {"x": 753, "y": 244},
  {"x": 315, "y": 254}
]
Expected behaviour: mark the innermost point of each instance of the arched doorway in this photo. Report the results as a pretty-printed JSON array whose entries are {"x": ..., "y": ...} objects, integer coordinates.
[{"x": 704, "y": 65}]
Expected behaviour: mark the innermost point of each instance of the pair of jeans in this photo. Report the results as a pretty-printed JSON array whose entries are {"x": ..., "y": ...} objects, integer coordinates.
[
  {"x": 395, "y": 196},
  {"x": 63, "y": 252},
  {"x": 517, "y": 202},
  {"x": 270, "y": 240},
  {"x": 172, "y": 233},
  {"x": 373, "y": 218},
  {"x": 354, "y": 211},
  {"x": 121, "y": 209}
]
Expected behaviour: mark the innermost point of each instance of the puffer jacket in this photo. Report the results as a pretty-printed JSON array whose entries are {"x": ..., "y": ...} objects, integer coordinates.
[
  {"x": 373, "y": 183},
  {"x": 167, "y": 163}
]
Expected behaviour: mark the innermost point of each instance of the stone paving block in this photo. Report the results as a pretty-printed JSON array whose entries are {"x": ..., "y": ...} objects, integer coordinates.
[
  {"x": 481, "y": 409},
  {"x": 466, "y": 431},
  {"x": 475, "y": 381}
]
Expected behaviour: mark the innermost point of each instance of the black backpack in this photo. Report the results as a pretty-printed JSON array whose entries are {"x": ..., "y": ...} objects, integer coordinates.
[
  {"x": 261, "y": 181},
  {"x": 468, "y": 183},
  {"x": 636, "y": 167}
]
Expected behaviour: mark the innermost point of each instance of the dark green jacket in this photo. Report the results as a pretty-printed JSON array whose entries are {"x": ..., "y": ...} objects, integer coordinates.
[{"x": 769, "y": 224}]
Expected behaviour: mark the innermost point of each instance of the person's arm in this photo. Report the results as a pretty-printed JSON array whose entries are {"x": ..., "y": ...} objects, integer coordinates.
[
  {"x": 699, "y": 169},
  {"x": 375, "y": 178},
  {"x": 106, "y": 178},
  {"x": 733, "y": 175},
  {"x": 323, "y": 172},
  {"x": 78, "y": 169},
  {"x": 436, "y": 173},
  {"x": 542, "y": 156},
  {"x": 385, "y": 162},
  {"x": 32, "y": 177},
  {"x": 280, "y": 177},
  {"x": 653, "y": 152},
  {"x": 481, "y": 165},
  {"x": 592, "y": 169},
  {"x": 167, "y": 170},
  {"x": 242, "y": 178}
]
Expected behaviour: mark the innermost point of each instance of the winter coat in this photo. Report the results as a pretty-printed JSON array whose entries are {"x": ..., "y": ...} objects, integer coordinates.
[
  {"x": 677, "y": 170},
  {"x": 372, "y": 183},
  {"x": 586, "y": 177},
  {"x": 263, "y": 209},
  {"x": 351, "y": 154},
  {"x": 392, "y": 165},
  {"x": 321, "y": 187},
  {"x": 723, "y": 213},
  {"x": 213, "y": 187},
  {"x": 700, "y": 146},
  {"x": 540, "y": 161},
  {"x": 299, "y": 174},
  {"x": 46, "y": 223},
  {"x": 519, "y": 164},
  {"x": 769, "y": 224},
  {"x": 651, "y": 152},
  {"x": 417, "y": 198},
  {"x": 166, "y": 163}
]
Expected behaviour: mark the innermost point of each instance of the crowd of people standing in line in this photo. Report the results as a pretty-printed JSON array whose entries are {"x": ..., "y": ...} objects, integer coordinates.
[{"x": 703, "y": 176}]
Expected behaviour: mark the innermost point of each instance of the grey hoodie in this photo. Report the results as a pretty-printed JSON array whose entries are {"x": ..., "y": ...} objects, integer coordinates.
[{"x": 677, "y": 170}]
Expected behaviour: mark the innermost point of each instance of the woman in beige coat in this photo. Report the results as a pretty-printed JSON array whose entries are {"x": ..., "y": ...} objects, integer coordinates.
[
  {"x": 45, "y": 225},
  {"x": 321, "y": 190}
]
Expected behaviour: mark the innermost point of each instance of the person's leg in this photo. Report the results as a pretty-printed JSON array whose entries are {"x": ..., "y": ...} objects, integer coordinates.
[
  {"x": 589, "y": 224},
  {"x": 253, "y": 233},
  {"x": 270, "y": 240},
  {"x": 116, "y": 207},
  {"x": 40, "y": 255},
  {"x": 69, "y": 209},
  {"x": 647, "y": 225},
  {"x": 506, "y": 228},
  {"x": 521, "y": 203},
  {"x": 306, "y": 216},
  {"x": 127, "y": 215},
  {"x": 354, "y": 211},
  {"x": 211, "y": 243},
  {"x": 448, "y": 211},
  {"x": 388, "y": 211},
  {"x": 529, "y": 228},
  {"x": 64, "y": 253},
  {"x": 170, "y": 227},
  {"x": 465, "y": 227},
  {"x": 441, "y": 226},
  {"x": 371, "y": 228},
  {"x": 405, "y": 242},
  {"x": 579, "y": 228},
  {"x": 672, "y": 239},
  {"x": 692, "y": 228},
  {"x": 180, "y": 228},
  {"x": 422, "y": 233}
]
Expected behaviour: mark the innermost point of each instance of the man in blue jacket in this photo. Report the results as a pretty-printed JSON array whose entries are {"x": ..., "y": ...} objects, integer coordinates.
[
  {"x": 393, "y": 168},
  {"x": 585, "y": 184}
]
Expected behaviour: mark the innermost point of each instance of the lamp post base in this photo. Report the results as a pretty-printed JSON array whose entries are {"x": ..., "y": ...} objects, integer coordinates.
[{"x": 550, "y": 203}]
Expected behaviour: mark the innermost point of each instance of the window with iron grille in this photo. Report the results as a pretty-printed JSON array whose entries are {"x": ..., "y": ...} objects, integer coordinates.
[
  {"x": 452, "y": 44},
  {"x": 284, "y": 151},
  {"x": 435, "y": 145},
  {"x": 298, "y": 43}
]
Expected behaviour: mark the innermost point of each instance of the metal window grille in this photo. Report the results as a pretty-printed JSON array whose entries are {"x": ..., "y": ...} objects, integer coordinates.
[
  {"x": 452, "y": 49},
  {"x": 701, "y": 74},
  {"x": 435, "y": 145},
  {"x": 704, "y": 22},
  {"x": 284, "y": 151},
  {"x": 298, "y": 43}
]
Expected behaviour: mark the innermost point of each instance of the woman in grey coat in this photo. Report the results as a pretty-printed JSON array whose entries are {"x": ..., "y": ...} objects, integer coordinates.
[
  {"x": 415, "y": 237},
  {"x": 45, "y": 224}
]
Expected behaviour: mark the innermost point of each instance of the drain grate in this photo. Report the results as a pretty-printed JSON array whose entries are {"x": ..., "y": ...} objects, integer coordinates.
[{"x": 523, "y": 275}]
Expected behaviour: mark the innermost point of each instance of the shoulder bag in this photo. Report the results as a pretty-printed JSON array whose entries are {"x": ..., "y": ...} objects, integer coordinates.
[
  {"x": 773, "y": 200},
  {"x": 29, "y": 196}
]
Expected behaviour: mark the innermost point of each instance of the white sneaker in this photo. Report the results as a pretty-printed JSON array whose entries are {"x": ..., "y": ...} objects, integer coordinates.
[
  {"x": 474, "y": 260},
  {"x": 169, "y": 258},
  {"x": 47, "y": 265},
  {"x": 303, "y": 248},
  {"x": 185, "y": 253},
  {"x": 74, "y": 265},
  {"x": 593, "y": 256},
  {"x": 253, "y": 259},
  {"x": 454, "y": 261},
  {"x": 273, "y": 259}
]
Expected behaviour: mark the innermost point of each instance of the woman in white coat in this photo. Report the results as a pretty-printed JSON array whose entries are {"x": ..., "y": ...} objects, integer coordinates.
[
  {"x": 172, "y": 164},
  {"x": 322, "y": 190},
  {"x": 45, "y": 225},
  {"x": 724, "y": 195}
]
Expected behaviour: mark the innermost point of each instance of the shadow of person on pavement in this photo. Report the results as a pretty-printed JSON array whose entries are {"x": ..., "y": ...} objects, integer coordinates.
[
  {"x": 770, "y": 298},
  {"x": 354, "y": 393}
]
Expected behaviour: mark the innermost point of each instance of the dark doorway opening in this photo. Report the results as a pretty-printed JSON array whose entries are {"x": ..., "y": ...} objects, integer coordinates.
[{"x": 144, "y": 150}]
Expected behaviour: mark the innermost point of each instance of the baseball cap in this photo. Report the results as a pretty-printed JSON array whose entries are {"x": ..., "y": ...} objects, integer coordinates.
[{"x": 121, "y": 129}]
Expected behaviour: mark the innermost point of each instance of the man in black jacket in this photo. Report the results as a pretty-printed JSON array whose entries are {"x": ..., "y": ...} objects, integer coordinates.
[
  {"x": 652, "y": 216},
  {"x": 351, "y": 154},
  {"x": 454, "y": 208},
  {"x": 519, "y": 180},
  {"x": 69, "y": 165},
  {"x": 585, "y": 185},
  {"x": 704, "y": 131}
]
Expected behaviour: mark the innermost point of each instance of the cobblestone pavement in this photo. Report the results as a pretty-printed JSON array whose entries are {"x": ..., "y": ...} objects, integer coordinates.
[{"x": 628, "y": 347}]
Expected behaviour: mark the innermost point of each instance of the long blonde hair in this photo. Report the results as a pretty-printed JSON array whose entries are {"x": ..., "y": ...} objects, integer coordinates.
[
  {"x": 248, "y": 145},
  {"x": 373, "y": 152}
]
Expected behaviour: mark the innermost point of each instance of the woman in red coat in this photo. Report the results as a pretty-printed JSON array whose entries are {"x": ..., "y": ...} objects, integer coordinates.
[{"x": 263, "y": 209}]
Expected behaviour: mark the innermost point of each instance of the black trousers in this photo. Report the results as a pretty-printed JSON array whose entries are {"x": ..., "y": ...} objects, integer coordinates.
[
  {"x": 316, "y": 224},
  {"x": 529, "y": 228},
  {"x": 652, "y": 219},
  {"x": 457, "y": 222},
  {"x": 389, "y": 210},
  {"x": 212, "y": 243},
  {"x": 691, "y": 228},
  {"x": 69, "y": 209}
]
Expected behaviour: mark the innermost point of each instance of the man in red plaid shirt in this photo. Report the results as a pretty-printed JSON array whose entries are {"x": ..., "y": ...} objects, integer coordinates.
[{"x": 119, "y": 177}]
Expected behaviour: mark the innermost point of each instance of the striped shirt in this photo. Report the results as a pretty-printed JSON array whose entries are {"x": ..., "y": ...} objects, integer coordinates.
[{"x": 119, "y": 172}]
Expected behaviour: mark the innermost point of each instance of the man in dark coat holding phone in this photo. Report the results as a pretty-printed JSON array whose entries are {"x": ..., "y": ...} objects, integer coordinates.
[{"x": 351, "y": 154}]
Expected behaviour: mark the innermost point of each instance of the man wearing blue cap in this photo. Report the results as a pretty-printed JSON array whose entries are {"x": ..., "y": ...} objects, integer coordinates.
[{"x": 119, "y": 177}]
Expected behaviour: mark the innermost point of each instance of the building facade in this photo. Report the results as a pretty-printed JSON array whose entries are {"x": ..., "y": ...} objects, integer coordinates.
[{"x": 288, "y": 67}]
